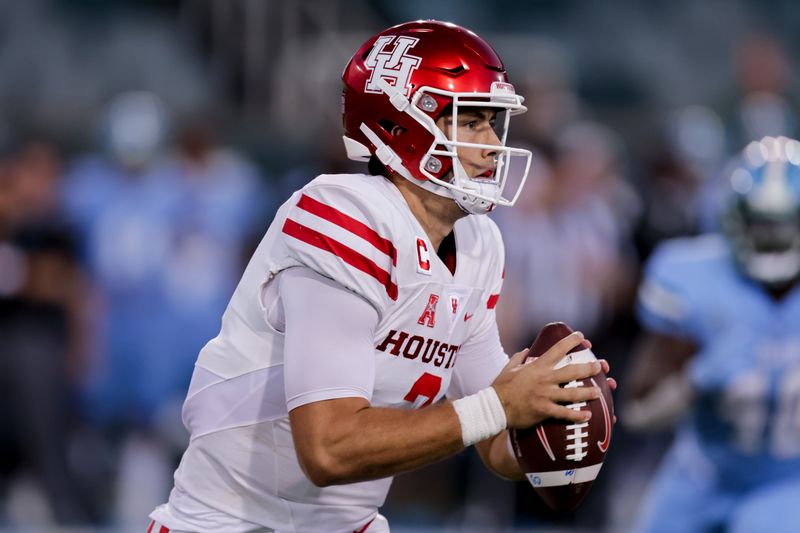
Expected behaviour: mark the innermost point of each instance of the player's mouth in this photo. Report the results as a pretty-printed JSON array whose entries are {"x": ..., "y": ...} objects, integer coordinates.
[{"x": 486, "y": 174}]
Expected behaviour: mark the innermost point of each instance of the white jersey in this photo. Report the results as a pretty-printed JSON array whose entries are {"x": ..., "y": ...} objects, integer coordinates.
[{"x": 358, "y": 231}]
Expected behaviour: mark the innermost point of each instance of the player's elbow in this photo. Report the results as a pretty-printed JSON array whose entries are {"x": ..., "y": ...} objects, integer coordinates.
[
  {"x": 498, "y": 458},
  {"x": 323, "y": 477},
  {"x": 322, "y": 468}
]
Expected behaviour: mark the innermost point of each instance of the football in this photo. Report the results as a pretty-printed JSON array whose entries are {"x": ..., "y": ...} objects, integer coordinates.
[{"x": 561, "y": 459}]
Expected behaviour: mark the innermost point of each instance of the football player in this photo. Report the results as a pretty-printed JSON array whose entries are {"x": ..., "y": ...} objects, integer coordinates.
[
  {"x": 361, "y": 341},
  {"x": 723, "y": 352}
]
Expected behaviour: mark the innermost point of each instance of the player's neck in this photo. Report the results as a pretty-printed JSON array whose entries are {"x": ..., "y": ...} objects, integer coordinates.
[{"x": 436, "y": 214}]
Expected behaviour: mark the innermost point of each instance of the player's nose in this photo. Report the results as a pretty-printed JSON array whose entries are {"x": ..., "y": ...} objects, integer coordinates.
[{"x": 492, "y": 139}]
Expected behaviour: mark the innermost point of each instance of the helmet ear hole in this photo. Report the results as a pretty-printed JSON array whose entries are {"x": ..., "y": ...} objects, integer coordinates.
[
  {"x": 392, "y": 128},
  {"x": 386, "y": 125}
]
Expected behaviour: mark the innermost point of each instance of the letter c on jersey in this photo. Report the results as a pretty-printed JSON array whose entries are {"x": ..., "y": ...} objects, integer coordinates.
[{"x": 423, "y": 257}]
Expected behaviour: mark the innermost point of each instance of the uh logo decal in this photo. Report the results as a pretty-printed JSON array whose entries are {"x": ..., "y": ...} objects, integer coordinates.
[{"x": 394, "y": 65}]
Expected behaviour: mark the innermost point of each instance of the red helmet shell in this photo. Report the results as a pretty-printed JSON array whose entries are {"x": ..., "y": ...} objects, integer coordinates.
[{"x": 416, "y": 54}]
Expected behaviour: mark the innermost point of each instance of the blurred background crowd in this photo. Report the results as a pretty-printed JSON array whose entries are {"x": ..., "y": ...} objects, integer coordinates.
[{"x": 145, "y": 145}]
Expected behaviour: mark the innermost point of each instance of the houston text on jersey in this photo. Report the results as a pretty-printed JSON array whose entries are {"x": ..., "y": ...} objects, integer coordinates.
[{"x": 412, "y": 346}]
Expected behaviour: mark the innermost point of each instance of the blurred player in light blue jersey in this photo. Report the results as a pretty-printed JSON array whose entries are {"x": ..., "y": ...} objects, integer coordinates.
[{"x": 722, "y": 350}]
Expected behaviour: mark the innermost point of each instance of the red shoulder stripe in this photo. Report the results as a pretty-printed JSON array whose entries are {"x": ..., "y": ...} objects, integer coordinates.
[
  {"x": 331, "y": 214},
  {"x": 492, "y": 301},
  {"x": 345, "y": 253}
]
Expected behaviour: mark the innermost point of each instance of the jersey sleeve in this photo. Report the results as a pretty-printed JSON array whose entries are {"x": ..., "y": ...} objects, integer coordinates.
[
  {"x": 495, "y": 274},
  {"x": 328, "y": 349},
  {"x": 344, "y": 237},
  {"x": 664, "y": 299},
  {"x": 480, "y": 360},
  {"x": 481, "y": 357}
]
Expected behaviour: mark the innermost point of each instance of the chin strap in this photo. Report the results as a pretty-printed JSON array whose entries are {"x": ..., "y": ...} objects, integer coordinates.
[
  {"x": 392, "y": 161},
  {"x": 383, "y": 152},
  {"x": 396, "y": 96},
  {"x": 468, "y": 203}
]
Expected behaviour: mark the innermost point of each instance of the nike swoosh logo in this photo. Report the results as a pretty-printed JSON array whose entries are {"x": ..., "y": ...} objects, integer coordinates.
[{"x": 467, "y": 316}]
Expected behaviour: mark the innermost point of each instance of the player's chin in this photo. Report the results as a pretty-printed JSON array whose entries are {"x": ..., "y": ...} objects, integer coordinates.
[{"x": 479, "y": 174}]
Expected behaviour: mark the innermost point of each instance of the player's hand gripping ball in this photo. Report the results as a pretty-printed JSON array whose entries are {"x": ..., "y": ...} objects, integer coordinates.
[{"x": 561, "y": 459}]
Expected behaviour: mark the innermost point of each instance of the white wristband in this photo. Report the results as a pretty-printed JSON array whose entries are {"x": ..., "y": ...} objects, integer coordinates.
[{"x": 481, "y": 416}]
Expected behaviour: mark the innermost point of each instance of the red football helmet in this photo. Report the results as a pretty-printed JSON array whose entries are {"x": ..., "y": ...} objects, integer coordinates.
[{"x": 408, "y": 76}]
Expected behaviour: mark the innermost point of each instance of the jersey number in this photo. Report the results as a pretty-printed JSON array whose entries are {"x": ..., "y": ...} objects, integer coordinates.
[
  {"x": 745, "y": 406},
  {"x": 427, "y": 386}
]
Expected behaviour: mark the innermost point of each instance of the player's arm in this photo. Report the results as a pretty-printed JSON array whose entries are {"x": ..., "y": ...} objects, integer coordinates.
[
  {"x": 658, "y": 382},
  {"x": 481, "y": 359},
  {"x": 658, "y": 390},
  {"x": 496, "y": 454},
  {"x": 340, "y": 438},
  {"x": 346, "y": 440}
]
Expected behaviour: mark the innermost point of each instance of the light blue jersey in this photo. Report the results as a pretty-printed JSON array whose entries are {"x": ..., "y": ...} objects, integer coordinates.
[{"x": 743, "y": 433}]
